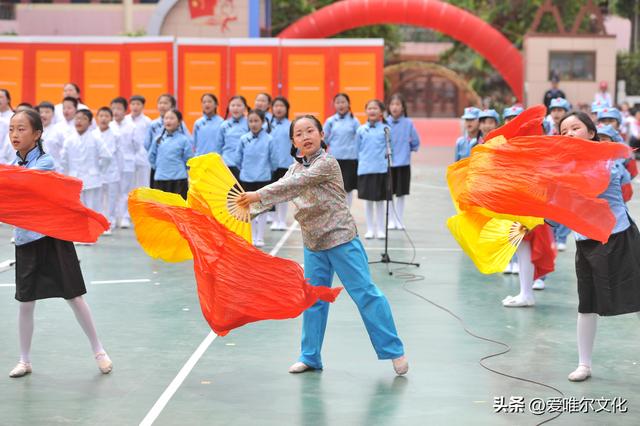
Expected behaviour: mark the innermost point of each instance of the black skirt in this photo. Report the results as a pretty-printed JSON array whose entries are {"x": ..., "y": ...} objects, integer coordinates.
[
  {"x": 609, "y": 274},
  {"x": 253, "y": 186},
  {"x": 401, "y": 180},
  {"x": 373, "y": 187},
  {"x": 178, "y": 186},
  {"x": 278, "y": 174},
  {"x": 47, "y": 268},
  {"x": 349, "y": 169},
  {"x": 152, "y": 179},
  {"x": 235, "y": 172}
]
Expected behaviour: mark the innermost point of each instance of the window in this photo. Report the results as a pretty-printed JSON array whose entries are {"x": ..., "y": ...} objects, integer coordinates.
[{"x": 577, "y": 66}]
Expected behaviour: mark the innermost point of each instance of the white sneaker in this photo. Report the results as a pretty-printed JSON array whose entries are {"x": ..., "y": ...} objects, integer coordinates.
[
  {"x": 562, "y": 247},
  {"x": 508, "y": 269},
  {"x": 104, "y": 362},
  {"x": 517, "y": 302},
  {"x": 258, "y": 243},
  {"x": 380, "y": 235},
  {"x": 392, "y": 225},
  {"x": 299, "y": 367},
  {"x": 538, "y": 284},
  {"x": 108, "y": 232},
  {"x": 21, "y": 369},
  {"x": 580, "y": 374},
  {"x": 369, "y": 235},
  {"x": 125, "y": 223},
  {"x": 13, "y": 240},
  {"x": 515, "y": 268}
]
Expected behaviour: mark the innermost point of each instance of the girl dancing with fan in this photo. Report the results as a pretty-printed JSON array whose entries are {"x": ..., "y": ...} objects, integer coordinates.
[
  {"x": 331, "y": 244},
  {"x": 46, "y": 267},
  {"x": 256, "y": 157},
  {"x": 608, "y": 274}
]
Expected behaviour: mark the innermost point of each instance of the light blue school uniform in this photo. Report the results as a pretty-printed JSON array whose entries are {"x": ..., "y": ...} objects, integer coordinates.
[
  {"x": 256, "y": 157},
  {"x": 155, "y": 130},
  {"x": 372, "y": 148},
  {"x": 340, "y": 135},
  {"x": 464, "y": 144},
  {"x": 169, "y": 156},
  {"x": 404, "y": 140},
  {"x": 281, "y": 142},
  {"x": 229, "y": 138},
  {"x": 36, "y": 160},
  {"x": 205, "y": 133}
]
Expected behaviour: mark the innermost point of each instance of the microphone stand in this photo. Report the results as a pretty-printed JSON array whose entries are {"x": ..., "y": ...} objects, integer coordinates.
[{"x": 385, "y": 258}]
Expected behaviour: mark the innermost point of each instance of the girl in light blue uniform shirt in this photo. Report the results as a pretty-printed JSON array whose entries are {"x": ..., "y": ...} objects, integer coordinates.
[
  {"x": 205, "y": 129},
  {"x": 372, "y": 168},
  {"x": 46, "y": 267},
  {"x": 256, "y": 157},
  {"x": 263, "y": 103},
  {"x": 404, "y": 141},
  {"x": 169, "y": 155},
  {"x": 282, "y": 147},
  {"x": 234, "y": 126},
  {"x": 340, "y": 138},
  {"x": 608, "y": 274}
]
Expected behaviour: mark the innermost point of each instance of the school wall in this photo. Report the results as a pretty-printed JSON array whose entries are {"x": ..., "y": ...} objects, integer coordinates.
[
  {"x": 537, "y": 82},
  {"x": 78, "y": 19},
  {"x": 308, "y": 72}
]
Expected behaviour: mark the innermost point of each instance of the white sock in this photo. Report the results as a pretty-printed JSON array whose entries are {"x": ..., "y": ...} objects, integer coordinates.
[
  {"x": 349, "y": 198},
  {"x": 587, "y": 326},
  {"x": 25, "y": 329},
  {"x": 368, "y": 214},
  {"x": 380, "y": 216},
  {"x": 83, "y": 315},
  {"x": 281, "y": 213},
  {"x": 399, "y": 210},
  {"x": 527, "y": 270},
  {"x": 261, "y": 222}
]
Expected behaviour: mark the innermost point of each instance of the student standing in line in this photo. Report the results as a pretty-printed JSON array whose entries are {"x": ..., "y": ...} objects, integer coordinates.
[
  {"x": 234, "y": 126},
  {"x": 205, "y": 129}
]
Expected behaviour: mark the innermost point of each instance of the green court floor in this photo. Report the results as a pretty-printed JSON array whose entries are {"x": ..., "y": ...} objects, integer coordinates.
[{"x": 149, "y": 320}]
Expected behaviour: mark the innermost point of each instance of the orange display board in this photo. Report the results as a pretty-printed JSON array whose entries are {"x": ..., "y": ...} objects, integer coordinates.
[
  {"x": 149, "y": 77},
  {"x": 358, "y": 77},
  {"x": 11, "y": 78},
  {"x": 305, "y": 84},
  {"x": 101, "y": 77},
  {"x": 202, "y": 73},
  {"x": 53, "y": 70},
  {"x": 253, "y": 75}
]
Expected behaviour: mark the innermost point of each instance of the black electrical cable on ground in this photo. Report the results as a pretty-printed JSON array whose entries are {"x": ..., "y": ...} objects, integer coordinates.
[{"x": 408, "y": 277}]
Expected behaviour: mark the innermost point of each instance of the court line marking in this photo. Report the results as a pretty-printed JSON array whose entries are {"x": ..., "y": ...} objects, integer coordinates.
[
  {"x": 138, "y": 280},
  {"x": 428, "y": 249},
  {"x": 168, "y": 393}
]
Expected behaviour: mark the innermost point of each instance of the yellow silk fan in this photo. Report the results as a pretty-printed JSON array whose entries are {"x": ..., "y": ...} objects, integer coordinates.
[
  {"x": 489, "y": 242},
  {"x": 212, "y": 181}
]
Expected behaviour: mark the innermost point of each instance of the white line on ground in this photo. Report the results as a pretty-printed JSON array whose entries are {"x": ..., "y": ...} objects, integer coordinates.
[
  {"x": 168, "y": 393},
  {"x": 8, "y": 285},
  {"x": 139, "y": 280},
  {"x": 428, "y": 249}
]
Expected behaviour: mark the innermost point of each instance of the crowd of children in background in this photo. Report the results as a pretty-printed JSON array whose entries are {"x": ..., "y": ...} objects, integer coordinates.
[{"x": 119, "y": 148}]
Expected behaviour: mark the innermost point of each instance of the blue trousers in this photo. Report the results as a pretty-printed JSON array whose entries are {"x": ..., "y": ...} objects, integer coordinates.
[
  {"x": 561, "y": 233},
  {"x": 350, "y": 262}
]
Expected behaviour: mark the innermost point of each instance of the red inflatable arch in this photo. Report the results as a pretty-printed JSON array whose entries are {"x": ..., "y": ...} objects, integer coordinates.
[{"x": 433, "y": 14}]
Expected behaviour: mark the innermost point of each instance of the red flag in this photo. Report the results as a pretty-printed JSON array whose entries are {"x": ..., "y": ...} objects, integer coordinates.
[
  {"x": 48, "y": 203},
  {"x": 199, "y": 8}
]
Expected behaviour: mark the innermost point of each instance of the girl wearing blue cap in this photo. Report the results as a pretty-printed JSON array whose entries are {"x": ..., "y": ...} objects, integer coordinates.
[
  {"x": 331, "y": 245},
  {"x": 404, "y": 141},
  {"x": 205, "y": 129},
  {"x": 169, "y": 154},
  {"x": 256, "y": 157},
  {"x": 557, "y": 109},
  {"x": 234, "y": 126},
  {"x": 340, "y": 137},
  {"x": 372, "y": 168},
  {"x": 282, "y": 148},
  {"x": 608, "y": 274},
  {"x": 472, "y": 135},
  {"x": 489, "y": 120},
  {"x": 612, "y": 117}
]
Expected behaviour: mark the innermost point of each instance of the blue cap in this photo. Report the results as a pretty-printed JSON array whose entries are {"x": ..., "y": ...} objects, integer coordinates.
[
  {"x": 608, "y": 130},
  {"x": 610, "y": 113},
  {"x": 598, "y": 105},
  {"x": 511, "y": 112},
  {"x": 560, "y": 103},
  {"x": 470, "y": 113},
  {"x": 489, "y": 113}
]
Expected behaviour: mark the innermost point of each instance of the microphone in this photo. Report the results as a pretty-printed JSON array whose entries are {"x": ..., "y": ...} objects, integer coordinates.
[{"x": 387, "y": 137}]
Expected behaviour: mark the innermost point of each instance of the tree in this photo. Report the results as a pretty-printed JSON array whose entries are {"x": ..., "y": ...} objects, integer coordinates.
[{"x": 630, "y": 9}]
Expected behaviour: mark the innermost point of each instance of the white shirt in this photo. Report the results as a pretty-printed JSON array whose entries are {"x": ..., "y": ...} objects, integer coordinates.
[
  {"x": 603, "y": 97},
  {"x": 6, "y": 116},
  {"x": 7, "y": 153},
  {"x": 128, "y": 145},
  {"x": 58, "y": 116},
  {"x": 141, "y": 123},
  {"x": 110, "y": 139},
  {"x": 83, "y": 156},
  {"x": 53, "y": 140}
]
